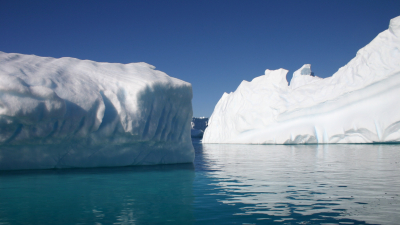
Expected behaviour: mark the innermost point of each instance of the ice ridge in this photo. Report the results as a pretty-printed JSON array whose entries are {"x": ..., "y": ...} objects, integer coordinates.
[{"x": 357, "y": 104}]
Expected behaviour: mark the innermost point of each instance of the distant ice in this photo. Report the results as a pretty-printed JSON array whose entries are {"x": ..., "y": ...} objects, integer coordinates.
[
  {"x": 199, "y": 125},
  {"x": 61, "y": 113},
  {"x": 196, "y": 133},
  {"x": 358, "y": 104}
]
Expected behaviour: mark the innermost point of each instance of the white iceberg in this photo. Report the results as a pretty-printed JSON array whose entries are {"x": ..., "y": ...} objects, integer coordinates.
[
  {"x": 358, "y": 104},
  {"x": 62, "y": 113}
]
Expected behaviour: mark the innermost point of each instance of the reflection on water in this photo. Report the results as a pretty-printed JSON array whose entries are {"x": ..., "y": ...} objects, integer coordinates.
[
  {"x": 227, "y": 184},
  {"x": 128, "y": 195},
  {"x": 307, "y": 183}
]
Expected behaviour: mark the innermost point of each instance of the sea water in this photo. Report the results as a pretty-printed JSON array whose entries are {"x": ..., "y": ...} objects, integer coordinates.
[{"x": 227, "y": 184}]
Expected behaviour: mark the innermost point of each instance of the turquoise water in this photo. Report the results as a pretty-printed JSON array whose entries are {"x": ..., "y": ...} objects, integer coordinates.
[{"x": 227, "y": 184}]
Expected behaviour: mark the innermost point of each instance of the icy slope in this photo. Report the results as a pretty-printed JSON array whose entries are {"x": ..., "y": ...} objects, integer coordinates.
[
  {"x": 57, "y": 113},
  {"x": 358, "y": 104}
]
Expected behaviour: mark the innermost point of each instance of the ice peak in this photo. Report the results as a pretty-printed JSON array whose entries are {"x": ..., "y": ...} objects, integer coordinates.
[
  {"x": 275, "y": 77},
  {"x": 304, "y": 70},
  {"x": 394, "y": 26},
  {"x": 303, "y": 76}
]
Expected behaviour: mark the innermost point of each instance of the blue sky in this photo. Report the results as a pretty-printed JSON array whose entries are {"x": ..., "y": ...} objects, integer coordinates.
[{"x": 214, "y": 45}]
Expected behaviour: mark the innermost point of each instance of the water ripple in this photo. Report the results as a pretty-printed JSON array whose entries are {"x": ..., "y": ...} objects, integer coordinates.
[{"x": 341, "y": 182}]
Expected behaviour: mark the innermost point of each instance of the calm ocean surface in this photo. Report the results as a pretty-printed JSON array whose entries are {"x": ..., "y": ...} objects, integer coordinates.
[{"x": 227, "y": 184}]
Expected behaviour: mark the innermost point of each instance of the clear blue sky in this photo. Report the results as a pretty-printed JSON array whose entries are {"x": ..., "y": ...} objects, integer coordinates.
[{"x": 212, "y": 44}]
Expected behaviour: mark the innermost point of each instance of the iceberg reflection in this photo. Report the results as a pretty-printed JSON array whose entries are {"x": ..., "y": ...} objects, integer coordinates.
[
  {"x": 357, "y": 182},
  {"x": 125, "y": 195}
]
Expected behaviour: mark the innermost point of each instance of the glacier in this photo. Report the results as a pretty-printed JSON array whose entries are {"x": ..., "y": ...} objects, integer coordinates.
[
  {"x": 357, "y": 104},
  {"x": 67, "y": 113}
]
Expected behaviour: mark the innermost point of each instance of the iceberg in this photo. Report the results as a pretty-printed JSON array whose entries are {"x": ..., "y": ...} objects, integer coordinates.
[
  {"x": 357, "y": 104},
  {"x": 199, "y": 125},
  {"x": 195, "y": 133},
  {"x": 66, "y": 113}
]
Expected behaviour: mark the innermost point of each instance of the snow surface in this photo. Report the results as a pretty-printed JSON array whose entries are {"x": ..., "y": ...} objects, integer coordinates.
[
  {"x": 358, "y": 104},
  {"x": 61, "y": 113}
]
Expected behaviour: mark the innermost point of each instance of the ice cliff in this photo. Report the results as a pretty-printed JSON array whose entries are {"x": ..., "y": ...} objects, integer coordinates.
[
  {"x": 358, "y": 104},
  {"x": 61, "y": 113}
]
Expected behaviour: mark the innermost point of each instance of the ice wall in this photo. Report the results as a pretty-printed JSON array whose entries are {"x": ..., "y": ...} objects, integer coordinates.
[
  {"x": 358, "y": 104},
  {"x": 60, "y": 113}
]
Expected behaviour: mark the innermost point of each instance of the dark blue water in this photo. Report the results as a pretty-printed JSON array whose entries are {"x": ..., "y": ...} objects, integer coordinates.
[{"x": 227, "y": 184}]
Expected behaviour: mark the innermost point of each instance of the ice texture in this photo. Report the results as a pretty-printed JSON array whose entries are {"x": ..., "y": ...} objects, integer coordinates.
[
  {"x": 199, "y": 125},
  {"x": 357, "y": 104},
  {"x": 195, "y": 133},
  {"x": 66, "y": 112}
]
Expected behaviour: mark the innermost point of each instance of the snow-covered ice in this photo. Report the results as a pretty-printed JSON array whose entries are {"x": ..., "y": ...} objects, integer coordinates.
[
  {"x": 66, "y": 112},
  {"x": 358, "y": 104}
]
